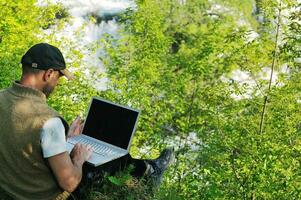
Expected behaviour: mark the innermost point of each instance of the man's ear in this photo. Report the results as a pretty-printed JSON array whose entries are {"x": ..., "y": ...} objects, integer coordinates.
[{"x": 47, "y": 74}]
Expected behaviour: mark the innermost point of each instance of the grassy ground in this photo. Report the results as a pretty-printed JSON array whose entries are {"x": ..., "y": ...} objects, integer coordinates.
[{"x": 121, "y": 186}]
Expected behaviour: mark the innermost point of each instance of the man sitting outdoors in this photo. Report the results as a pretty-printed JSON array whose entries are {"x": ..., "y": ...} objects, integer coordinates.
[{"x": 34, "y": 161}]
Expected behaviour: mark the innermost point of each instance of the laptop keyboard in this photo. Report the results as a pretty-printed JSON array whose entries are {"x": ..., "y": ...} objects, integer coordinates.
[{"x": 97, "y": 148}]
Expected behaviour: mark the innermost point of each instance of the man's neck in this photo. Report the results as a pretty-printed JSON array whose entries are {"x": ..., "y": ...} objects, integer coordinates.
[{"x": 31, "y": 82}]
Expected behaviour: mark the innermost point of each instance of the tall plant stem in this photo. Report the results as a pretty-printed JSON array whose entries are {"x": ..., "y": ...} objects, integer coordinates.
[
  {"x": 188, "y": 124},
  {"x": 266, "y": 98}
]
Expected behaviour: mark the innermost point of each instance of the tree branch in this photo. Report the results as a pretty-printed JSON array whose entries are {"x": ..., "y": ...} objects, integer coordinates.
[{"x": 266, "y": 98}]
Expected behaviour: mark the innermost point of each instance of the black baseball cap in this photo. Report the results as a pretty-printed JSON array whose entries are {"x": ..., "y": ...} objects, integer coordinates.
[{"x": 45, "y": 56}]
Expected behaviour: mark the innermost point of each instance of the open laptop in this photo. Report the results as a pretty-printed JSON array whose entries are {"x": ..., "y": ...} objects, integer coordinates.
[{"x": 109, "y": 129}]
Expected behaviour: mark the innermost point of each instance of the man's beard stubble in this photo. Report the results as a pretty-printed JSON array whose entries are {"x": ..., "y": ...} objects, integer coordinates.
[{"x": 47, "y": 90}]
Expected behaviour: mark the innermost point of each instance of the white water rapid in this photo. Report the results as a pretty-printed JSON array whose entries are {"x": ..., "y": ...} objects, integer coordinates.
[{"x": 84, "y": 32}]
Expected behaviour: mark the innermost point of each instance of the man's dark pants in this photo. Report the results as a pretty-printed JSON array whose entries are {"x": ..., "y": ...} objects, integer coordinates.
[{"x": 91, "y": 174}]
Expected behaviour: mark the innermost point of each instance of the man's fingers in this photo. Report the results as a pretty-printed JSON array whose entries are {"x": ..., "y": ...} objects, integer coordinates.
[
  {"x": 77, "y": 120},
  {"x": 82, "y": 126},
  {"x": 89, "y": 148},
  {"x": 89, "y": 151},
  {"x": 77, "y": 144},
  {"x": 83, "y": 147}
]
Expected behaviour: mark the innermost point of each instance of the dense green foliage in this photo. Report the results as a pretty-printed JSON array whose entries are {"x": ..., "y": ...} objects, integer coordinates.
[
  {"x": 20, "y": 27},
  {"x": 176, "y": 61}
]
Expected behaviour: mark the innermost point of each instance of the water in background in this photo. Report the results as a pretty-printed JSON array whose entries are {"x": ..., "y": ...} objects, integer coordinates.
[{"x": 104, "y": 12}]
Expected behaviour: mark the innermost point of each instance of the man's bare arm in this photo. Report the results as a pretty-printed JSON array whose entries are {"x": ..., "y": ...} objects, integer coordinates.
[{"x": 68, "y": 170}]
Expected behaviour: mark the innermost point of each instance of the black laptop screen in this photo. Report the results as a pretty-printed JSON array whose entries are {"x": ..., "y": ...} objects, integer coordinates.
[{"x": 110, "y": 123}]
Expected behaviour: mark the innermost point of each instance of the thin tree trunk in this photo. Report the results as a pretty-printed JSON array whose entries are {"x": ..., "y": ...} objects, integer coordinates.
[{"x": 266, "y": 98}]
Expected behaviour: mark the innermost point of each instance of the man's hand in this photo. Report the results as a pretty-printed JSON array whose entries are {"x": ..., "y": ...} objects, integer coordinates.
[
  {"x": 68, "y": 172},
  {"x": 75, "y": 128},
  {"x": 81, "y": 153}
]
